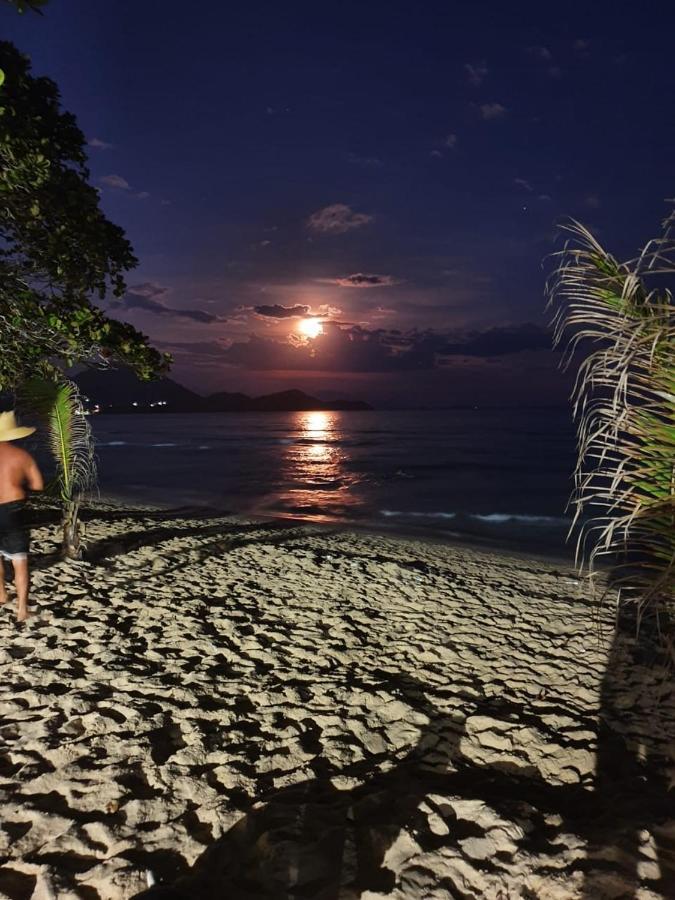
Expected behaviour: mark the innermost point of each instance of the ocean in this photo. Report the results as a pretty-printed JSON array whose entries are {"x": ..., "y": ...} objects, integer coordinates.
[{"x": 493, "y": 476}]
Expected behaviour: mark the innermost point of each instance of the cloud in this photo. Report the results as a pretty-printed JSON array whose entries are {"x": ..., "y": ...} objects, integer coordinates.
[
  {"x": 352, "y": 348},
  {"x": 476, "y": 73},
  {"x": 582, "y": 45},
  {"x": 542, "y": 53},
  {"x": 337, "y": 219},
  {"x": 360, "y": 280},
  {"x": 196, "y": 348},
  {"x": 327, "y": 310},
  {"x": 368, "y": 162},
  {"x": 592, "y": 201},
  {"x": 148, "y": 298},
  {"x": 281, "y": 312},
  {"x": 491, "y": 111},
  {"x": 500, "y": 342},
  {"x": 449, "y": 142},
  {"x": 143, "y": 195},
  {"x": 115, "y": 181},
  {"x": 98, "y": 144},
  {"x": 524, "y": 184}
]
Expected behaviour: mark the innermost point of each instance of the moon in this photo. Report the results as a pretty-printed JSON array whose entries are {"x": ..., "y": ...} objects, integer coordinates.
[{"x": 310, "y": 328}]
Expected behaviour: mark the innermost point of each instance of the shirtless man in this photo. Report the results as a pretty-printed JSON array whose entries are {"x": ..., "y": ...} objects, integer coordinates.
[{"x": 18, "y": 473}]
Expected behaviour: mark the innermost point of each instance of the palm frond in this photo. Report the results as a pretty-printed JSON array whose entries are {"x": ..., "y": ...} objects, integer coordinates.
[
  {"x": 619, "y": 329},
  {"x": 68, "y": 434}
]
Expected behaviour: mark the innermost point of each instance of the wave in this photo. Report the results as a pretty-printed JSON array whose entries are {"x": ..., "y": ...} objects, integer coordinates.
[
  {"x": 489, "y": 518},
  {"x": 500, "y": 518},
  {"x": 112, "y": 444},
  {"x": 422, "y": 515}
]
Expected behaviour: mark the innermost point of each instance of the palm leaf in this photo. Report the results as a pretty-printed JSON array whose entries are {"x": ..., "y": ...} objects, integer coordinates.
[
  {"x": 616, "y": 322},
  {"x": 68, "y": 433}
]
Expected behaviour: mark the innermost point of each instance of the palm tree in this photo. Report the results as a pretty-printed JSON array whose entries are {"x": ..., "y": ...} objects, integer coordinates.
[
  {"x": 69, "y": 437},
  {"x": 619, "y": 319}
]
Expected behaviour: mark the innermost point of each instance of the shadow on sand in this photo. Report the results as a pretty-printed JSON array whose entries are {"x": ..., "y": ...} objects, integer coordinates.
[
  {"x": 631, "y": 829},
  {"x": 312, "y": 840}
]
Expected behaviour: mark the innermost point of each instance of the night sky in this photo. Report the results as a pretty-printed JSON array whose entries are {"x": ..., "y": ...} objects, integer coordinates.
[{"x": 397, "y": 169}]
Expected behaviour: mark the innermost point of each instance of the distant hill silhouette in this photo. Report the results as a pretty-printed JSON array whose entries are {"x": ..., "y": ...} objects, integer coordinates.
[{"x": 120, "y": 391}]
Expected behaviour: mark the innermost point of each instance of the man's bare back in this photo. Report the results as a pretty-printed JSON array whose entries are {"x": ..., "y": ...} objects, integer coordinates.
[{"x": 18, "y": 473}]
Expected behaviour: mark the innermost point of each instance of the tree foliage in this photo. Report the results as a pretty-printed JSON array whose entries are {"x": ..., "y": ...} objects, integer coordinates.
[
  {"x": 22, "y": 5},
  {"x": 620, "y": 318},
  {"x": 57, "y": 248}
]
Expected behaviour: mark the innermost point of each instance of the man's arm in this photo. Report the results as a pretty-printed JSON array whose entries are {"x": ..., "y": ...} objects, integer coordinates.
[{"x": 34, "y": 476}]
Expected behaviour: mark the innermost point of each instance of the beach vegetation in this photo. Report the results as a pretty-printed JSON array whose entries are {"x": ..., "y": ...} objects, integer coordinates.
[
  {"x": 616, "y": 321},
  {"x": 60, "y": 260},
  {"x": 68, "y": 436},
  {"x": 58, "y": 251}
]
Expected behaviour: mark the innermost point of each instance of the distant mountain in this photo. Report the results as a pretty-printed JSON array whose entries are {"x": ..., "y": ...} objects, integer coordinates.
[
  {"x": 117, "y": 390},
  {"x": 120, "y": 391}
]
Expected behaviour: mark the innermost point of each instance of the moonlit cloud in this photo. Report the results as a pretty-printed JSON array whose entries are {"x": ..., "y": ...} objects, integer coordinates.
[
  {"x": 524, "y": 184},
  {"x": 476, "y": 73},
  {"x": 360, "y": 280},
  {"x": 490, "y": 111},
  {"x": 281, "y": 312},
  {"x": 116, "y": 182},
  {"x": 542, "y": 53},
  {"x": 349, "y": 348},
  {"x": 148, "y": 297},
  {"x": 337, "y": 218},
  {"x": 98, "y": 144},
  {"x": 450, "y": 141},
  {"x": 367, "y": 162}
]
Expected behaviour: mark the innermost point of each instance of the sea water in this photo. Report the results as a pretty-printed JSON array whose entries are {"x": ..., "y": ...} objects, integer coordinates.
[{"x": 496, "y": 475}]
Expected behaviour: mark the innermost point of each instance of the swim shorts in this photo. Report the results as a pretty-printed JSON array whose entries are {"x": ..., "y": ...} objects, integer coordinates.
[{"x": 14, "y": 536}]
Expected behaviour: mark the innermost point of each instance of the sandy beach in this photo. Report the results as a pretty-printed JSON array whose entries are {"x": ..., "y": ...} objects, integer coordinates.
[{"x": 256, "y": 710}]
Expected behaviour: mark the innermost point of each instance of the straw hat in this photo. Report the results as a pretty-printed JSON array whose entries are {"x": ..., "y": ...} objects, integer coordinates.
[{"x": 9, "y": 430}]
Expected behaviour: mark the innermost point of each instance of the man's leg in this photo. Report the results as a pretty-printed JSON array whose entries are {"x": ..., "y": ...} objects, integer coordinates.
[
  {"x": 22, "y": 582},
  {"x": 3, "y": 588}
]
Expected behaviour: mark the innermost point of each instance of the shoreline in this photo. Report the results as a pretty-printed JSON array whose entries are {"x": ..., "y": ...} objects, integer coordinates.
[
  {"x": 385, "y": 527},
  {"x": 248, "y": 708}
]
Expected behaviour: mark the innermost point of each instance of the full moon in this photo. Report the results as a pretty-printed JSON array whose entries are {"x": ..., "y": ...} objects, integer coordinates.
[{"x": 311, "y": 328}]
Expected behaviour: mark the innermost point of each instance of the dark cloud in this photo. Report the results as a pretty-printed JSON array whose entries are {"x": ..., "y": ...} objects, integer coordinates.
[
  {"x": 500, "y": 342},
  {"x": 281, "y": 312},
  {"x": 213, "y": 349},
  {"x": 491, "y": 111},
  {"x": 368, "y": 162},
  {"x": 361, "y": 280},
  {"x": 116, "y": 182},
  {"x": 476, "y": 73},
  {"x": 337, "y": 219},
  {"x": 352, "y": 348},
  {"x": 148, "y": 297},
  {"x": 542, "y": 53},
  {"x": 98, "y": 144}
]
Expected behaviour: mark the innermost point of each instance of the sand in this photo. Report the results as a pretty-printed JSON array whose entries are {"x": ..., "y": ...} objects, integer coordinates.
[{"x": 254, "y": 710}]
